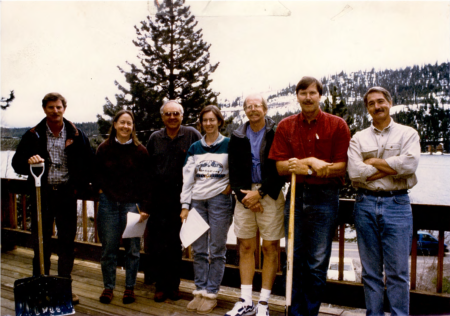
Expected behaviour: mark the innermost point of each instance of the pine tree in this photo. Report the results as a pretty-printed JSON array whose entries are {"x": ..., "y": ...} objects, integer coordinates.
[{"x": 174, "y": 65}]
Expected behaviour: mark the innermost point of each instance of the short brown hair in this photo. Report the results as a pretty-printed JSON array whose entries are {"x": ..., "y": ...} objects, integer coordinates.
[
  {"x": 113, "y": 133},
  {"x": 306, "y": 81},
  {"x": 382, "y": 90},
  {"x": 53, "y": 96},
  {"x": 216, "y": 112}
]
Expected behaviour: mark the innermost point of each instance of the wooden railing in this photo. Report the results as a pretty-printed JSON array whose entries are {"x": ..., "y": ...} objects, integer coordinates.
[{"x": 426, "y": 217}]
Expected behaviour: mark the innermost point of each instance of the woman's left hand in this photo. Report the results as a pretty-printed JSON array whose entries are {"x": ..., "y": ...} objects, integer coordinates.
[
  {"x": 227, "y": 190},
  {"x": 144, "y": 216}
]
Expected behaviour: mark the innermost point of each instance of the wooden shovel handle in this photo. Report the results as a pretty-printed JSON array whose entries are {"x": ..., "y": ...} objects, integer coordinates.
[{"x": 290, "y": 243}]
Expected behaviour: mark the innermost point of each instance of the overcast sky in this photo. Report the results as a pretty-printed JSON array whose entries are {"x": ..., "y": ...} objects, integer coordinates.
[{"x": 74, "y": 48}]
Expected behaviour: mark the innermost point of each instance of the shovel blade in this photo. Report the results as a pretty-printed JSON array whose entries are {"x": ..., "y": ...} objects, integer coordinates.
[{"x": 43, "y": 296}]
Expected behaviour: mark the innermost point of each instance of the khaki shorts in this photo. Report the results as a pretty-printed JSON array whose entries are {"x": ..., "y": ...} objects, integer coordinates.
[{"x": 270, "y": 222}]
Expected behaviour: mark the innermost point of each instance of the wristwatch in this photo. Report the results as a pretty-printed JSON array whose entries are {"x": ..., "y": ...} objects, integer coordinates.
[
  {"x": 309, "y": 171},
  {"x": 261, "y": 192}
]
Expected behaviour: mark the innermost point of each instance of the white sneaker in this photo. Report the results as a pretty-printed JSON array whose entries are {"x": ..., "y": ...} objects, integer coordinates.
[
  {"x": 262, "y": 309},
  {"x": 240, "y": 309}
]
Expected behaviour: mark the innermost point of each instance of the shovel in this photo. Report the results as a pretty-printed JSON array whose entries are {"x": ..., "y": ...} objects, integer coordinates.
[
  {"x": 42, "y": 295},
  {"x": 290, "y": 250}
]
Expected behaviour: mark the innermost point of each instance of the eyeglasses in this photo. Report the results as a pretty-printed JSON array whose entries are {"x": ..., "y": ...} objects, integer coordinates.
[
  {"x": 252, "y": 106},
  {"x": 169, "y": 114}
]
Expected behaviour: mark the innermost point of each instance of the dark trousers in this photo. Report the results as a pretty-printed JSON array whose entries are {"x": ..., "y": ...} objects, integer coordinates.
[
  {"x": 163, "y": 246},
  {"x": 316, "y": 213},
  {"x": 59, "y": 206}
]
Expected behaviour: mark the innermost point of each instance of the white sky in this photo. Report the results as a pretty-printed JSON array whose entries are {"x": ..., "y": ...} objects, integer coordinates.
[{"x": 74, "y": 48}]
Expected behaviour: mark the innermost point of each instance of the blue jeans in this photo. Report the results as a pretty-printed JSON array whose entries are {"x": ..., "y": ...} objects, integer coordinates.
[
  {"x": 112, "y": 220},
  {"x": 316, "y": 213},
  {"x": 210, "y": 249},
  {"x": 384, "y": 231}
]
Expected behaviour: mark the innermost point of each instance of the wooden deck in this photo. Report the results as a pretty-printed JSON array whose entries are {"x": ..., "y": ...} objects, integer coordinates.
[{"x": 88, "y": 285}]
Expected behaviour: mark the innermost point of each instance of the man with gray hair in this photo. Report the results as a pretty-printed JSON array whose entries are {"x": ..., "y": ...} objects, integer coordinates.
[
  {"x": 382, "y": 161},
  {"x": 260, "y": 202},
  {"x": 167, "y": 149}
]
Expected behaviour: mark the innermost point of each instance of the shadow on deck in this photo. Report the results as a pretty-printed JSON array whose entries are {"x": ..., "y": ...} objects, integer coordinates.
[{"x": 88, "y": 285}]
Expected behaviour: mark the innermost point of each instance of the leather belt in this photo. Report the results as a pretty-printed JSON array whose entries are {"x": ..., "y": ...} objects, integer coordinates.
[{"x": 383, "y": 193}]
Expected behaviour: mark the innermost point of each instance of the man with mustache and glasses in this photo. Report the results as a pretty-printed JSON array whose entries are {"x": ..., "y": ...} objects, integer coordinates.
[
  {"x": 167, "y": 149},
  {"x": 382, "y": 161},
  {"x": 313, "y": 145},
  {"x": 68, "y": 158},
  {"x": 260, "y": 202}
]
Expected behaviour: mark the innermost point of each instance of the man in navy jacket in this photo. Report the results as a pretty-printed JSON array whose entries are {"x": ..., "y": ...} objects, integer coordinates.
[{"x": 67, "y": 155}]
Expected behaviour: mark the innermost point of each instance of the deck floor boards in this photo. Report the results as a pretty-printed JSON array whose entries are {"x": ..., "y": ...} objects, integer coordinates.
[{"x": 88, "y": 285}]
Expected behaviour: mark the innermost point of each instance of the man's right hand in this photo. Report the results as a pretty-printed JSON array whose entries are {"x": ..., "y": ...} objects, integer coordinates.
[{"x": 35, "y": 159}]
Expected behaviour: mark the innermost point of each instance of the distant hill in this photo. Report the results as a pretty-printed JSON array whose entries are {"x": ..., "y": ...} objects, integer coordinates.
[
  {"x": 11, "y": 136},
  {"x": 421, "y": 99}
]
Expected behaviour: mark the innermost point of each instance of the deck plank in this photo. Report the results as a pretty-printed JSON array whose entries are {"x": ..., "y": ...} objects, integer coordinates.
[{"x": 88, "y": 285}]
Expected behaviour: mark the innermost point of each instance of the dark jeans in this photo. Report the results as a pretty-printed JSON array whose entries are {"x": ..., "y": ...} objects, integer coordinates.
[
  {"x": 163, "y": 244},
  {"x": 59, "y": 206},
  {"x": 316, "y": 213},
  {"x": 112, "y": 220}
]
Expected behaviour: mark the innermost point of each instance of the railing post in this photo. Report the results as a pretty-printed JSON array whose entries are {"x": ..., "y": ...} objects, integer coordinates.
[
  {"x": 24, "y": 211},
  {"x": 414, "y": 260},
  {"x": 84, "y": 214},
  {"x": 96, "y": 239},
  {"x": 341, "y": 251},
  {"x": 12, "y": 210},
  {"x": 440, "y": 263}
]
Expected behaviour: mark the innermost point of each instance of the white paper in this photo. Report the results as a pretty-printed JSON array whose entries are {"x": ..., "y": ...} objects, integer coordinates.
[
  {"x": 134, "y": 228},
  {"x": 192, "y": 228}
]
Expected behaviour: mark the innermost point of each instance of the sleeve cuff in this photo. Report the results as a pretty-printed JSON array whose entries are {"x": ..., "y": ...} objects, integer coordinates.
[
  {"x": 370, "y": 171},
  {"x": 186, "y": 206}
]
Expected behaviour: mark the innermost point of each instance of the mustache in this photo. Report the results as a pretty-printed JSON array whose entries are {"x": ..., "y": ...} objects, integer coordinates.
[{"x": 308, "y": 102}]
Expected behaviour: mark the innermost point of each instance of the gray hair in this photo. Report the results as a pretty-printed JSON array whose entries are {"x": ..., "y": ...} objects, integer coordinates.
[
  {"x": 264, "y": 102},
  {"x": 161, "y": 110},
  {"x": 382, "y": 90}
]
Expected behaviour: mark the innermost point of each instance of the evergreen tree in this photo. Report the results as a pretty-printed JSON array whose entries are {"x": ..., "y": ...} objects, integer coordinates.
[{"x": 174, "y": 65}]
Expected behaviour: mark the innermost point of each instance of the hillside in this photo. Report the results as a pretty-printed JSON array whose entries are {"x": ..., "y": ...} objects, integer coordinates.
[{"x": 421, "y": 98}]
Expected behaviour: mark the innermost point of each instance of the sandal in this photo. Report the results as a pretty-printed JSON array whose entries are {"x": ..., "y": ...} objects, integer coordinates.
[
  {"x": 106, "y": 296},
  {"x": 128, "y": 296}
]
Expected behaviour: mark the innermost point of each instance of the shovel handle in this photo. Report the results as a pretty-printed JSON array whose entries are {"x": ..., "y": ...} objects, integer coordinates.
[
  {"x": 37, "y": 178},
  {"x": 290, "y": 251}
]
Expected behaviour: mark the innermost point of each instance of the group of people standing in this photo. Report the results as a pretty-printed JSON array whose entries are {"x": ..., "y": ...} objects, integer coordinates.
[{"x": 180, "y": 170}]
